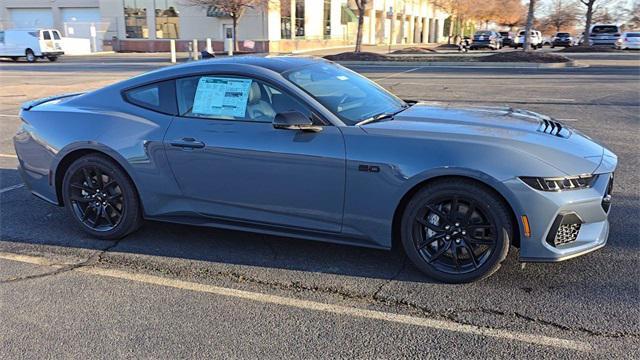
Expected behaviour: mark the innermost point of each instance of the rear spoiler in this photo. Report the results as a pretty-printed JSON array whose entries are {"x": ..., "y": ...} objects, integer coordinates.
[{"x": 33, "y": 103}]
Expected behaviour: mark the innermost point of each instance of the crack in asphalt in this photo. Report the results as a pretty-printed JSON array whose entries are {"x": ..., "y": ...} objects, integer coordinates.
[
  {"x": 98, "y": 257},
  {"x": 374, "y": 298},
  {"x": 93, "y": 259}
]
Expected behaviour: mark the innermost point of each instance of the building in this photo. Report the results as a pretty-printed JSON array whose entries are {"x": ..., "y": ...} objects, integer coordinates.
[{"x": 277, "y": 26}]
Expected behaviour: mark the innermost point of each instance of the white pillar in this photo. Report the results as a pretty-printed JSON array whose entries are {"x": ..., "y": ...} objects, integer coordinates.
[
  {"x": 425, "y": 30},
  {"x": 372, "y": 27},
  {"x": 412, "y": 30}
]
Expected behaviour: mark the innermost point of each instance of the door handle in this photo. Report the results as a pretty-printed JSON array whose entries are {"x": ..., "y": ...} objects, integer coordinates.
[{"x": 187, "y": 143}]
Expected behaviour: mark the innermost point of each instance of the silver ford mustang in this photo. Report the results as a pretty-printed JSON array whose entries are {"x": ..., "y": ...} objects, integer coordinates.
[{"x": 305, "y": 148}]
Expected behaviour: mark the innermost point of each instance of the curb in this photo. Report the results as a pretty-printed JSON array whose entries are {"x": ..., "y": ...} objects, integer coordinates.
[{"x": 469, "y": 64}]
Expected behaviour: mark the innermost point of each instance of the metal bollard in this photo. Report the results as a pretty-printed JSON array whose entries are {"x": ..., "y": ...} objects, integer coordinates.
[
  {"x": 195, "y": 50},
  {"x": 173, "y": 51},
  {"x": 209, "y": 47}
]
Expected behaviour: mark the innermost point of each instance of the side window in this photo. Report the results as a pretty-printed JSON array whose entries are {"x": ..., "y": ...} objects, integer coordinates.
[
  {"x": 158, "y": 97},
  {"x": 46, "y": 35},
  {"x": 56, "y": 35},
  {"x": 232, "y": 98},
  {"x": 2, "y": 37}
]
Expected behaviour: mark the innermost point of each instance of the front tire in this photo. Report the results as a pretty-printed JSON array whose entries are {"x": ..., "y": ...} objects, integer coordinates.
[
  {"x": 31, "y": 57},
  {"x": 101, "y": 197},
  {"x": 456, "y": 231}
]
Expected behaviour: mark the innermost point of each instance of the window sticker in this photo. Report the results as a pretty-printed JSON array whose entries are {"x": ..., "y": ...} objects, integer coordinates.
[{"x": 216, "y": 96}]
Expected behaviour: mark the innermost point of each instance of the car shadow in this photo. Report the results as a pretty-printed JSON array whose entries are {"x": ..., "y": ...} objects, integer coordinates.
[{"x": 27, "y": 219}]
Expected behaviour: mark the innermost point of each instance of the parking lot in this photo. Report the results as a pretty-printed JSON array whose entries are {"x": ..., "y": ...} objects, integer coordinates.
[{"x": 170, "y": 291}]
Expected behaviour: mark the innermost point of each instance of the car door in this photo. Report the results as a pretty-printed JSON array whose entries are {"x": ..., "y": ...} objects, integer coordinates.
[{"x": 231, "y": 163}]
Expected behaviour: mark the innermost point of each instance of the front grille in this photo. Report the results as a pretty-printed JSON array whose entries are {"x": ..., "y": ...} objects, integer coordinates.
[
  {"x": 565, "y": 229},
  {"x": 554, "y": 128},
  {"x": 566, "y": 233}
]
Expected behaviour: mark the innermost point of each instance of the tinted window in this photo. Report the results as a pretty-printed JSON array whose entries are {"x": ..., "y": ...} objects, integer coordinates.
[
  {"x": 1, "y": 36},
  {"x": 562, "y": 34},
  {"x": 485, "y": 33},
  {"x": 46, "y": 35},
  {"x": 56, "y": 35},
  {"x": 233, "y": 98},
  {"x": 158, "y": 97},
  {"x": 604, "y": 29},
  {"x": 633, "y": 35}
]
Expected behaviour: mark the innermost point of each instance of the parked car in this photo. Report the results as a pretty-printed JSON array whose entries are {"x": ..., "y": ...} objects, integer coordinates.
[
  {"x": 546, "y": 41},
  {"x": 31, "y": 44},
  {"x": 507, "y": 38},
  {"x": 303, "y": 147},
  {"x": 486, "y": 39},
  {"x": 536, "y": 39},
  {"x": 604, "y": 34},
  {"x": 628, "y": 40},
  {"x": 563, "y": 39}
]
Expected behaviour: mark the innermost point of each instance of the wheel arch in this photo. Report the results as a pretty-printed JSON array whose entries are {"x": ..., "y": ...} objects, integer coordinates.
[
  {"x": 492, "y": 186},
  {"x": 60, "y": 167}
]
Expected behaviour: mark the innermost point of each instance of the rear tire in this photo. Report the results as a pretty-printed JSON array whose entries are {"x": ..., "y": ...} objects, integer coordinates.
[
  {"x": 31, "y": 57},
  {"x": 101, "y": 198},
  {"x": 456, "y": 246}
]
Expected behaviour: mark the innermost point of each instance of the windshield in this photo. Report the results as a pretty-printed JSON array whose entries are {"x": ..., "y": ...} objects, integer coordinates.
[
  {"x": 348, "y": 95},
  {"x": 562, "y": 34},
  {"x": 485, "y": 33}
]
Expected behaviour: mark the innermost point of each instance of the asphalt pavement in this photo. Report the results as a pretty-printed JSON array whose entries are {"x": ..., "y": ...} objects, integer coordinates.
[{"x": 175, "y": 291}]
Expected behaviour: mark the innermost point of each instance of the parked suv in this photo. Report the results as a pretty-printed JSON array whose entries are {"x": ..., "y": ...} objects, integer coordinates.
[
  {"x": 536, "y": 39},
  {"x": 604, "y": 34},
  {"x": 31, "y": 44},
  {"x": 486, "y": 39},
  {"x": 563, "y": 39},
  {"x": 507, "y": 38}
]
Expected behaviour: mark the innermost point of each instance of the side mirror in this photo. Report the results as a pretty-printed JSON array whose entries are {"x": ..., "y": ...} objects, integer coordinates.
[{"x": 294, "y": 120}]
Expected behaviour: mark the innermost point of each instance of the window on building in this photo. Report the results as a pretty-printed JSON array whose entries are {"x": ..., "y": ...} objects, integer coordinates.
[
  {"x": 167, "y": 19},
  {"x": 285, "y": 19},
  {"x": 327, "y": 18},
  {"x": 135, "y": 19},
  {"x": 299, "y": 18}
]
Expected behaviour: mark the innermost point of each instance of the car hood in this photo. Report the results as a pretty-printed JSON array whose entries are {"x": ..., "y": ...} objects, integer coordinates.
[{"x": 552, "y": 142}]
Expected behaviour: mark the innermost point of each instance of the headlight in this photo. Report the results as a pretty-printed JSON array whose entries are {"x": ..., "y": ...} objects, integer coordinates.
[{"x": 560, "y": 183}]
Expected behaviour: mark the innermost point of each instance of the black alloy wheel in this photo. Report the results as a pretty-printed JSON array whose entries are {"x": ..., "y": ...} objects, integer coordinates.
[
  {"x": 101, "y": 197},
  {"x": 456, "y": 231}
]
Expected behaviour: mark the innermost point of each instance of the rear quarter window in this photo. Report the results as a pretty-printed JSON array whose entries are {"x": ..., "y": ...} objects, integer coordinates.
[{"x": 159, "y": 97}]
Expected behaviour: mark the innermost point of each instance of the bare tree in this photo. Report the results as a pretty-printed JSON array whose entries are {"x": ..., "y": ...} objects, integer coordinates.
[
  {"x": 562, "y": 15},
  {"x": 235, "y": 9},
  {"x": 511, "y": 13},
  {"x": 361, "y": 5},
  {"x": 590, "y": 4},
  {"x": 633, "y": 21},
  {"x": 528, "y": 28}
]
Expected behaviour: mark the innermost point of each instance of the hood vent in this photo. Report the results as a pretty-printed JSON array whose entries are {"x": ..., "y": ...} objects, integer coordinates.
[{"x": 554, "y": 128}]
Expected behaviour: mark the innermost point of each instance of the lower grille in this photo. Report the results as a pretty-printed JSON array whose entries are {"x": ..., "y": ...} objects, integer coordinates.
[
  {"x": 566, "y": 233},
  {"x": 565, "y": 229}
]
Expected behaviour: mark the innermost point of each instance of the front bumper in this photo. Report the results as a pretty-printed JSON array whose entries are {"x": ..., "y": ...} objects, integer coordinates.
[
  {"x": 562, "y": 43},
  {"x": 53, "y": 53},
  {"x": 545, "y": 211}
]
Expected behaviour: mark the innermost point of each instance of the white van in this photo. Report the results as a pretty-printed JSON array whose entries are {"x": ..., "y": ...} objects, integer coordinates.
[{"x": 31, "y": 44}]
